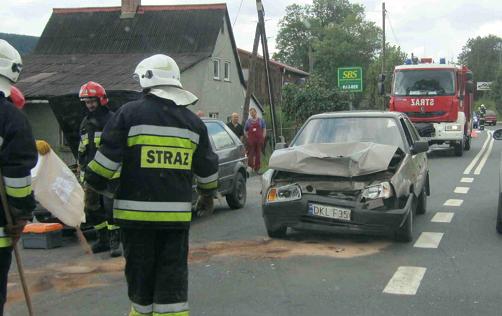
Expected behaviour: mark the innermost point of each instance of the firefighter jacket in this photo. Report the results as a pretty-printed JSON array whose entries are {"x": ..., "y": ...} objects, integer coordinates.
[
  {"x": 90, "y": 134},
  {"x": 18, "y": 155},
  {"x": 161, "y": 147}
]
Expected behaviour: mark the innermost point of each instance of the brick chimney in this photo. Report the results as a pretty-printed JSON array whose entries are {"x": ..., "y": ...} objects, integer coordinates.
[{"x": 129, "y": 8}]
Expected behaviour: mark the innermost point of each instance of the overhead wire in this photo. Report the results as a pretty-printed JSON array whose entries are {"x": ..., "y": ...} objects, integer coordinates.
[{"x": 392, "y": 29}]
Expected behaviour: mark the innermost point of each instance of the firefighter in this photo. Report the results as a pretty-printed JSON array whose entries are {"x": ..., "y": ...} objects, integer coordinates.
[
  {"x": 161, "y": 145},
  {"x": 98, "y": 207},
  {"x": 18, "y": 155}
]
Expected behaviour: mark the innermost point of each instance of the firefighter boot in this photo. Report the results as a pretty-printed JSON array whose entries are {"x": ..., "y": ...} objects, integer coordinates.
[
  {"x": 103, "y": 243},
  {"x": 115, "y": 243}
]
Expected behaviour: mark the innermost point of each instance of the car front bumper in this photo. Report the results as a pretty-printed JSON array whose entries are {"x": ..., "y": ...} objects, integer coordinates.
[{"x": 295, "y": 214}]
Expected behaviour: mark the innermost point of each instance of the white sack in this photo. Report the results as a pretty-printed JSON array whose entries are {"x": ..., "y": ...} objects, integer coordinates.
[{"x": 57, "y": 189}]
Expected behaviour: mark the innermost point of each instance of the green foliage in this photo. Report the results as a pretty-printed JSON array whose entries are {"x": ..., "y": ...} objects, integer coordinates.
[
  {"x": 496, "y": 90},
  {"x": 316, "y": 96},
  {"x": 23, "y": 43},
  {"x": 483, "y": 55}
]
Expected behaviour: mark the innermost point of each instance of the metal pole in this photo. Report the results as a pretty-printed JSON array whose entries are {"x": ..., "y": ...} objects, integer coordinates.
[
  {"x": 252, "y": 63},
  {"x": 264, "y": 44},
  {"x": 19, "y": 263},
  {"x": 383, "y": 50}
]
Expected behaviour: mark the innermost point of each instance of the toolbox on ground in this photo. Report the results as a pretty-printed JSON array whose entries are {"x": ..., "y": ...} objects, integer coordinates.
[{"x": 42, "y": 236}]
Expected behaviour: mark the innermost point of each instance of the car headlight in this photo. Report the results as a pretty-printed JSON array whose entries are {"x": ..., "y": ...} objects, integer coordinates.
[
  {"x": 290, "y": 192},
  {"x": 381, "y": 190},
  {"x": 452, "y": 128}
]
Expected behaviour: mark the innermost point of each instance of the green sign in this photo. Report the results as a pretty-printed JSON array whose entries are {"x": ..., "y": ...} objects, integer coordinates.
[{"x": 350, "y": 79}]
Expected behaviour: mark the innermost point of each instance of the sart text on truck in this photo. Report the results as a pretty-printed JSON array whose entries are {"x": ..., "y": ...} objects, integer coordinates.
[{"x": 438, "y": 98}]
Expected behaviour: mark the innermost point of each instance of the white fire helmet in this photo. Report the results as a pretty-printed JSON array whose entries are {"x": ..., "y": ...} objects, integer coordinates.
[
  {"x": 161, "y": 74},
  {"x": 10, "y": 61}
]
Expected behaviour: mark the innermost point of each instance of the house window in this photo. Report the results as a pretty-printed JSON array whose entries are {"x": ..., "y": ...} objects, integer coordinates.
[
  {"x": 213, "y": 115},
  {"x": 63, "y": 144},
  {"x": 216, "y": 69},
  {"x": 226, "y": 71}
]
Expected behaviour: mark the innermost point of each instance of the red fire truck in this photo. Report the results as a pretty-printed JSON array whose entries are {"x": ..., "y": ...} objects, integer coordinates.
[{"x": 438, "y": 98}]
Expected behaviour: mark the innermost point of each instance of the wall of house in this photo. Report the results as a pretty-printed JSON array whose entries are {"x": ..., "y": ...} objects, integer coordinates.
[
  {"x": 45, "y": 127},
  {"x": 216, "y": 96}
]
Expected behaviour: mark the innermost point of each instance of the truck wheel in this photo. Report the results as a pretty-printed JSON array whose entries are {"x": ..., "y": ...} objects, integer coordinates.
[
  {"x": 237, "y": 199},
  {"x": 467, "y": 145},
  {"x": 459, "y": 148}
]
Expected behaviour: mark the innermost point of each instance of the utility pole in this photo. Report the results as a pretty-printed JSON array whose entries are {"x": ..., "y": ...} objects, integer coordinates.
[
  {"x": 261, "y": 23},
  {"x": 251, "y": 74},
  {"x": 383, "y": 50}
]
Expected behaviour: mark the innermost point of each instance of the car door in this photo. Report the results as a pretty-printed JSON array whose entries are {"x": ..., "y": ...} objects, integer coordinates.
[
  {"x": 419, "y": 160},
  {"x": 224, "y": 147}
]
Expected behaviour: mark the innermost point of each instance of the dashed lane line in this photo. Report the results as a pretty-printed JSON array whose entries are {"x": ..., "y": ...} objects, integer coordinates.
[
  {"x": 405, "y": 281},
  {"x": 428, "y": 240},
  {"x": 480, "y": 153},
  {"x": 453, "y": 202},
  {"x": 442, "y": 217},
  {"x": 467, "y": 180},
  {"x": 461, "y": 190}
]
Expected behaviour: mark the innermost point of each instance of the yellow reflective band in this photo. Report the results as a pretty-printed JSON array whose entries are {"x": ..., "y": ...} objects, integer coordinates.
[
  {"x": 5, "y": 242},
  {"x": 116, "y": 175},
  {"x": 166, "y": 158},
  {"x": 101, "y": 225},
  {"x": 208, "y": 186},
  {"x": 97, "y": 141},
  {"x": 184, "y": 313},
  {"x": 82, "y": 144},
  {"x": 102, "y": 171},
  {"x": 112, "y": 227},
  {"x": 152, "y": 216},
  {"x": 161, "y": 141},
  {"x": 18, "y": 192}
]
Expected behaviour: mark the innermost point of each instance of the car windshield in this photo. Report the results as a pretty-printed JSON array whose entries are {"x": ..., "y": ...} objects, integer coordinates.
[
  {"x": 380, "y": 130},
  {"x": 424, "y": 82}
]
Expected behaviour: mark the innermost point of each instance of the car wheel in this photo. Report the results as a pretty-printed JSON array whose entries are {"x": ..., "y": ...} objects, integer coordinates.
[
  {"x": 499, "y": 220},
  {"x": 459, "y": 148},
  {"x": 422, "y": 202},
  {"x": 467, "y": 145},
  {"x": 278, "y": 232},
  {"x": 405, "y": 232},
  {"x": 237, "y": 199}
]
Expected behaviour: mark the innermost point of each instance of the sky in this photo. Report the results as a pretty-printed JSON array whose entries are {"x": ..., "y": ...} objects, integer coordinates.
[{"x": 427, "y": 28}]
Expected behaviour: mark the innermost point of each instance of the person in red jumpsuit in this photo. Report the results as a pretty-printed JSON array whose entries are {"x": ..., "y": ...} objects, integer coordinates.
[{"x": 256, "y": 132}]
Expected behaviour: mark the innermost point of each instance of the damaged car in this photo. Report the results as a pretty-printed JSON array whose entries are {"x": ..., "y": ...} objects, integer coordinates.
[{"x": 362, "y": 172}]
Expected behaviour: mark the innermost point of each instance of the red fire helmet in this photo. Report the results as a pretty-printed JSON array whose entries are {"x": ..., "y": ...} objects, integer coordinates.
[
  {"x": 17, "y": 97},
  {"x": 93, "y": 90}
]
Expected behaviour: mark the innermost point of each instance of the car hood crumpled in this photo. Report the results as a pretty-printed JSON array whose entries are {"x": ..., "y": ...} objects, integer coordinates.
[{"x": 341, "y": 160}]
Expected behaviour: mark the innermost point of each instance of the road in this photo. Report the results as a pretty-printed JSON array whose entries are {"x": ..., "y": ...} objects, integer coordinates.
[{"x": 452, "y": 267}]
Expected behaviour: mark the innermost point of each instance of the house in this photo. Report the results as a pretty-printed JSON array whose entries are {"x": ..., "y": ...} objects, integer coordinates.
[
  {"x": 104, "y": 44},
  {"x": 280, "y": 73}
]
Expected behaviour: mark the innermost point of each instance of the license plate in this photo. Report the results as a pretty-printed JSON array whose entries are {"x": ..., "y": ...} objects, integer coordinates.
[{"x": 329, "y": 211}]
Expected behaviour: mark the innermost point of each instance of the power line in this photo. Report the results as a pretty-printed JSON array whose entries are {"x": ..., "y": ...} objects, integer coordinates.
[
  {"x": 238, "y": 12},
  {"x": 392, "y": 29}
]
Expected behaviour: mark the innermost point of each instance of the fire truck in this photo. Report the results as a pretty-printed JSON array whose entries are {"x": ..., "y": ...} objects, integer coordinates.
[{"x": 438, "y": 98}]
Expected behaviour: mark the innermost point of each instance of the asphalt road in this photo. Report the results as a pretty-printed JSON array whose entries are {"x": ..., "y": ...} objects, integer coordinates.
[{"x": 452, "y": 267}]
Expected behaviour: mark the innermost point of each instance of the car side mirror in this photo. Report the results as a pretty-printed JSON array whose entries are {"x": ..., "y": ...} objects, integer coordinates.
[
  {"x": 281, "y": 146},
  {"x": 420, "y": 147},
  {"x": 497, "y": 134}
]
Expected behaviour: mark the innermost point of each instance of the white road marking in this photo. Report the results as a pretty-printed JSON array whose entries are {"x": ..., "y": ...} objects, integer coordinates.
[
  {"x": 442, "y": 217},
  {"x": 461, "y": 190},
  {"x": 475, "y": 160},
  {"x": 486, "y": 155},
  {"x": 428, "y": 240},
  {"x": 405, "y": 281},
  {"x": 453, "y": 202},
  {"x": 466, "y": 180}
]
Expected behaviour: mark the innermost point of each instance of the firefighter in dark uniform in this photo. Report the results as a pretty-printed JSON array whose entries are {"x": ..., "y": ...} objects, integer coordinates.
[
  {"x": 161, "y": 145},
  {"x": 18, "y": 155},
  {"x": 98, "y": 208}
]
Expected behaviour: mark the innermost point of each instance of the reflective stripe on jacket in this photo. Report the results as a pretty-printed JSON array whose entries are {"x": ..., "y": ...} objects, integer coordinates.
[
  {"x": 160, "y": 147},
  {"x": 5, "y": 241}
]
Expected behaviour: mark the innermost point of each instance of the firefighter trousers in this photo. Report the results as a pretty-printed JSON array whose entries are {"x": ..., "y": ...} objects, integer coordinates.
[
  {"x": 156, "y": 270},
  {"x": 5, "y": 261}
]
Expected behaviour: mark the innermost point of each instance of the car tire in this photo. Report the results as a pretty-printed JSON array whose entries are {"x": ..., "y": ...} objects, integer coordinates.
[
  {"x": 499, "y": 220},
  {"x": 237, "y": 199},
  {"x": 459, "y": 149},
  {"x": 467, "y": 145},
  {"x": 278, "y": 232},
  {"x": 405, "y": 232},
  {"x": 422, "y": 202}
]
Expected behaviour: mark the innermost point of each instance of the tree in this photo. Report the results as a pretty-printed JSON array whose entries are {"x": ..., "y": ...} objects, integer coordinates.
[
  {"x": 496, "y": 90},
  {"x": 316, "y": 96},
  {"x": 483, "y": 55}
]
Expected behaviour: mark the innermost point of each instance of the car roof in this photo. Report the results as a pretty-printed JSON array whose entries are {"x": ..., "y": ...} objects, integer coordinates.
[{"x": 375, "y": 114}]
